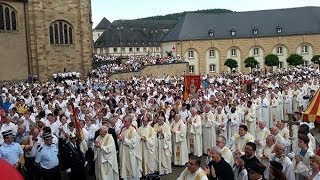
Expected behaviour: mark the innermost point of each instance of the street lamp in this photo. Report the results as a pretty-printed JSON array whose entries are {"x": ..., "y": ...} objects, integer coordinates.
[{"x": 120, "y": 41}]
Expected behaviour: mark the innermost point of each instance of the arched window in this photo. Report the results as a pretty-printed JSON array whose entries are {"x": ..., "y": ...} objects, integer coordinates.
[
  {"x": 13, "y": 20},
  {"x": 8, "y": 18},
  {"x": 70, "y": 35},
  {"x": 56, "y": 34},
  {"x": 65, "y": 31},
  {"x": 61, "y": 32},
  {"x": 51, "y": 35},
  {"x": 1, "y": 18}
]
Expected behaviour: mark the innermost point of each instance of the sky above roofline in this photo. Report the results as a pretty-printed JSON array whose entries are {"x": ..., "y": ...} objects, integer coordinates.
[{"x": 128, "y": 9}]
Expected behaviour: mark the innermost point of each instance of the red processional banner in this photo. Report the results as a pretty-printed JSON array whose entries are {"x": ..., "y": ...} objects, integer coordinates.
[{"x": 191, "y": 85}]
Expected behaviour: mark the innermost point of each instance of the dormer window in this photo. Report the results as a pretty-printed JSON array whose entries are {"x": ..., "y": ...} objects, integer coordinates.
[
  {"x": 233, "y": 32},
  {"x": 279, "y": 29},
  {"x": 211, "y": 33},
  {"x": 255, "y": 31}
]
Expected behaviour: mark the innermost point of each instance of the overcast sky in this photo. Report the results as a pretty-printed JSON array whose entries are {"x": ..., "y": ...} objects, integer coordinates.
[{"x": 133, "y": 9}]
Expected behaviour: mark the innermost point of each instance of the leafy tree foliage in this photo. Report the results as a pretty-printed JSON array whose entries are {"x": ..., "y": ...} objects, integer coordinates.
[
  {"x": 316, "y": 59},
  {"x": 295, "y": 60},
  {"x": 271, "y": 60},
  {"x": 251, "y": 62},
  {"x": 231, "y": 63},
  {"x": 177, "y": 16}
]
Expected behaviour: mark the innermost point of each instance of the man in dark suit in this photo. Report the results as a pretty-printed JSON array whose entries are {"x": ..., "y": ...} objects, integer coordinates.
[{"x": 72, "y": 159}]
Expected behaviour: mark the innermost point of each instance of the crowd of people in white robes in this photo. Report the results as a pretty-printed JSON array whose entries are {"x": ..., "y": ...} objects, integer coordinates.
[{"x": 157, "y": 129}]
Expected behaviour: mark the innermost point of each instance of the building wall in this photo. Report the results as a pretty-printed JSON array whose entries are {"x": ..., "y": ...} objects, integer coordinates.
[
  {"x": 13, "y": 47},
  {"x": 128, "y": 51},
  {"x": 244, "y": 48},
  {"x": 28, "y": 50},
  {"x": 96, "y": 34},
  {"x": 47, "y": 58},
  {"x": 154, "y": 70}
]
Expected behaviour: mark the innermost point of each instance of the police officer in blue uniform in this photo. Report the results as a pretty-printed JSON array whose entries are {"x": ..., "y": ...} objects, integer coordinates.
[
  {"x": 47, "y": 159},
  {"x": 11, "y": 151}
]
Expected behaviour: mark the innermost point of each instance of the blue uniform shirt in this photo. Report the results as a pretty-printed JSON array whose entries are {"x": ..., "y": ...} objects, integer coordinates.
[
  {"x": 47, "y": 156},
  {"x": 11, "y": 152}
]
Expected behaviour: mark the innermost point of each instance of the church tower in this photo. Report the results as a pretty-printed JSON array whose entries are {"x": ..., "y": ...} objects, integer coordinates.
[{"x": 43, "y": 37}]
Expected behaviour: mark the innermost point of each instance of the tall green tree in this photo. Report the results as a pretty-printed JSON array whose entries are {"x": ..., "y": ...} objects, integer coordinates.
[
  {"x": 271, "y": 60},
  {"x": 251, "y": 62},
  {"x": 316, "y": 59},
  {"x": 231, "y": 63},
  {"x": 295, "y": 60}
]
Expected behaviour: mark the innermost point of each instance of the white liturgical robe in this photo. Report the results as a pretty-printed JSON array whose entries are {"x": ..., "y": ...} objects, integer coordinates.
[
  {"x": 146, "y": 150},
  {"x": 128, "y": 154},
  {"x": 163, "y": 149},
  {"x": 208, "y": 131},
  {"x": 106, "y": 164},
  {"x": 200, "y": 174},
  {"x": 179, "y": 142},
  {"x": 195, "y": 136}
]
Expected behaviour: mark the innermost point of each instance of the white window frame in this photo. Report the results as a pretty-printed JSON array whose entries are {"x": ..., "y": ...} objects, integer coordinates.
[
  {"x": 144, "y": 49},
  {"x": 190, "y": 55},
  {"x": 115, "y": 49},
  {"x": 212, "y": 53},
  {"x": 137, "y": 49},
  {"x": 256, "y": 51},
  {"x": 233, "y": 32},
  {"x": 279, "y": 30},
  {"x": 212, "y": 68},
  {"x": 279, "y": 50},
  {"x": 233, "y": 52},
  {"x": 305, "y": 49},
  {"x": 192, "y": 69},
  {"x": 123, "y": 49},
  {"x": 280, "y": 65}
]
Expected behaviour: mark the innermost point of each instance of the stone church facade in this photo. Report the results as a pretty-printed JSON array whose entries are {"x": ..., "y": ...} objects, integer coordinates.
[{"x": 43, "y": 37}]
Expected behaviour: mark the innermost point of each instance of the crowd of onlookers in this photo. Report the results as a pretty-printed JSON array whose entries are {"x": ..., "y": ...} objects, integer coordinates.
[{"x": 129, "y": 63}]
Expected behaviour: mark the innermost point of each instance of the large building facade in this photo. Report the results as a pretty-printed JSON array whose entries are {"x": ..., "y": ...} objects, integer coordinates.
[
  {"x": 40, "y": 37},
  {"x": 131, "y": 37},
  {"x": 206, "y": 41}
]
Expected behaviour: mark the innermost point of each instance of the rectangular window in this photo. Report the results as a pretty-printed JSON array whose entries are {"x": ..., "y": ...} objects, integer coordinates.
[
  {"x": 211, "y": 53},
  {"x": 144, "y": 49},
  {"x": 191, "y": 69},
  {"x": 115, "y": 49},
  {"x": 256, "y": 51},
  {"x": 279, "y": 50},
  {"x": 212, "y": 68},
  {"x": 233, "y": 52},
  {"x": 123, "y": 49},
  {"x": 305, "y": 49},
  {"x": 280, "y": 64},
  {"x": 190, "y": 55},
  {"x": 138, "y": 49},
  {"x": 130, "y": 49}
]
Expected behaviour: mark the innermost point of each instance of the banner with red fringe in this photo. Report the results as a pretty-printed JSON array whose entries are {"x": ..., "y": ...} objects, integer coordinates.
[{"x": 191, "y": 85}]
